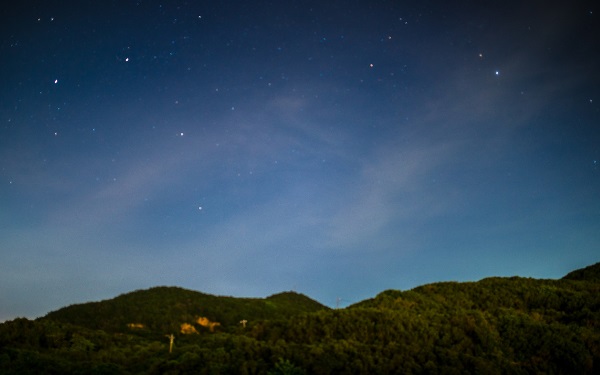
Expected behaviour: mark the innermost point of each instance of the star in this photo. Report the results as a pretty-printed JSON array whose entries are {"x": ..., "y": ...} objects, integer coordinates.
[{"x": 289, "y": 96}]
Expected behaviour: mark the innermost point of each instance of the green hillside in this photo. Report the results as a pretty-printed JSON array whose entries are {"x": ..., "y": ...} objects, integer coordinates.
[
  {"x": 493, "y": 326},
  {"x": 590, "y": 273},
  {"x": 165, "y": 309}
]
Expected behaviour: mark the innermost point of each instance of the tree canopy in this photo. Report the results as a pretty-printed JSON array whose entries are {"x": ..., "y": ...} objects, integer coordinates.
[{"x": 493, "y": 326}]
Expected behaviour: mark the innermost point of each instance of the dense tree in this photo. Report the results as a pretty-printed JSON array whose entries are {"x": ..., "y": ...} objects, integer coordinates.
[{"x": 494, "y": 326}]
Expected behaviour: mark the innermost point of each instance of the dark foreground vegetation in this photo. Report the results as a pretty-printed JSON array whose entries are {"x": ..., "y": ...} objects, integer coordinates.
[{"x": 494, "y": 326}]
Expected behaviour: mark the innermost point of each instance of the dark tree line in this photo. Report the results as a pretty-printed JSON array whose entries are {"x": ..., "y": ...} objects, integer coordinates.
[{"x": 494, "y": 326}]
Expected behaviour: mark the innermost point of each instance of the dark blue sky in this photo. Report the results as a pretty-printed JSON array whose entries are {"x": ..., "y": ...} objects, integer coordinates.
[{"x": 337, "y": 149}]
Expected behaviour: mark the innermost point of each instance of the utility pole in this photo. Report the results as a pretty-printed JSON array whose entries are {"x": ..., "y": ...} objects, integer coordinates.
[{"x": 171, "y": 339}]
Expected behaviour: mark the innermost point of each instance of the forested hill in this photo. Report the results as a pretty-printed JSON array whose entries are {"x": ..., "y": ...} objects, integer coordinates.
[
  {"x": 166, "y": 309},
  {"x": 494, "y": 326},
  {"x": 494, "y": 293},
  {"x": 590, "y": 273}
]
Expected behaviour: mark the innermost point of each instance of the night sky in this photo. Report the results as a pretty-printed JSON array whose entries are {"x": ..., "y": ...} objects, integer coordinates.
[{"x": 333, "y": 148}]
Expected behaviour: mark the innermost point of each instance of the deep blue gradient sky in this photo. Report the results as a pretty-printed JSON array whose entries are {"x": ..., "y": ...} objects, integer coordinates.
[{"x": 334, "y": 148}]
